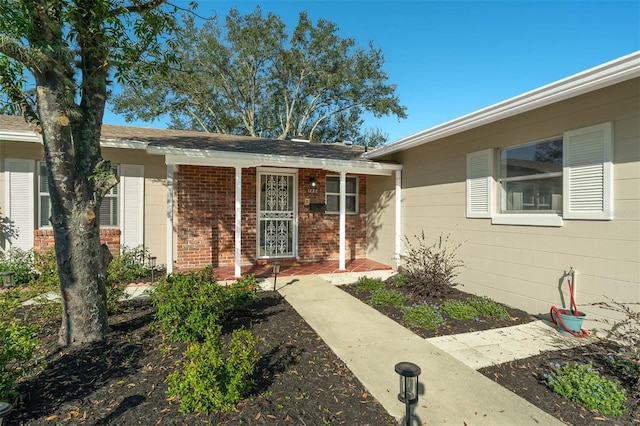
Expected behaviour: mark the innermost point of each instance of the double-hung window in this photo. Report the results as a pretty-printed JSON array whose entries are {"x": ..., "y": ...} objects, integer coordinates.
[
  {"x": 333, "y": 194},
  {"x": 543, "y": 182},
  {"x": 109, "y": 208}
]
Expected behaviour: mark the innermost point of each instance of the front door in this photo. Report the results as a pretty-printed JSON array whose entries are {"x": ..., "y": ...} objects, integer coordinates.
[{"x": 277, "y": 224}]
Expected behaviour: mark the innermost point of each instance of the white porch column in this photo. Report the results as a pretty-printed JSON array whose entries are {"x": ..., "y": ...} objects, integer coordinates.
[
  {"x": 170, "y": 170},
  {"x": 238, "y": 242},
  {"x": 343, "y": 214},
  {"x": 398, "y": 236}
]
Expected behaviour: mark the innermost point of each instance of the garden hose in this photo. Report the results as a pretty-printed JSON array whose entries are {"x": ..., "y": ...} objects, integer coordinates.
[{"x": 574, "y": 311}]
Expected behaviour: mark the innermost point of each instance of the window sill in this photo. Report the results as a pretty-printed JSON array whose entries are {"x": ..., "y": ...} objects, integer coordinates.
[{"x": 528, "y": 220}]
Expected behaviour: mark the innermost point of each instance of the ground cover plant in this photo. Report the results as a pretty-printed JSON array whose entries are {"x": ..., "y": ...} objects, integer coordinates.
[{"x": 596, "y": 384}]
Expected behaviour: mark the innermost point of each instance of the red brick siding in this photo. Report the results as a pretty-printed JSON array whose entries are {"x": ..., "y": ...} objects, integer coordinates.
[
  {"x": 206, "y": 219},
  {"x": 43, "y": 239}
]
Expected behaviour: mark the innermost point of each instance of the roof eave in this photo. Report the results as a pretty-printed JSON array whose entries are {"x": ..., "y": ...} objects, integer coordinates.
[
  {"x": 608, "y": 74},
  {"x": 178, "y": 156}
]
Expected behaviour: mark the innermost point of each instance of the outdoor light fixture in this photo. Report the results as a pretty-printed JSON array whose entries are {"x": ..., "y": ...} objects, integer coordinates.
[
  {"x": 7, "y": 279},
  {"x": 408, "y": 394},
  {"x": 152, "y": 265},
  {"x": 313, "y": 182},
  {"x": 276, "y": 271},
  {"x": 5, "y": 409}
]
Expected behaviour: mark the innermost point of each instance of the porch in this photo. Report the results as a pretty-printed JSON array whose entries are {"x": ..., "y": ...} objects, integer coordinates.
[{"x": 225, "y": 273}]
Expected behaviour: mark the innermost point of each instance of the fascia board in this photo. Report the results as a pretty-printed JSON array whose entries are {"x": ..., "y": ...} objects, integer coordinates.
[
  {"x": 123, "y": 143},
  {"x": 608, "y": 74},
  {"x": 177, "y": 156},
  {"x": 20, "y": 136}
]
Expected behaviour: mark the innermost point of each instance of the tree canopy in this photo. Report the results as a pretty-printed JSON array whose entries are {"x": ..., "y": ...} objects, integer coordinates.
[
  {"x": 248, "y": 76},
  {"x": 66, "y": 52}
]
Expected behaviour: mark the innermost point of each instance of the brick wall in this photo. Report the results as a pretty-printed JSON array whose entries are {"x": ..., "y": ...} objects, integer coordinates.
[
  {"x": 206, "y": 219},
  {"x": 43, "y": 239}
]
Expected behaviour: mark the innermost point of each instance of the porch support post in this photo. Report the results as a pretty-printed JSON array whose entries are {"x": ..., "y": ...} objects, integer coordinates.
[
  {"x": 170, "y": 170},
  {"x": 398, "y": 232},
  {"x": 343, "y": 214},
  {"x": 238, "y": 242}
]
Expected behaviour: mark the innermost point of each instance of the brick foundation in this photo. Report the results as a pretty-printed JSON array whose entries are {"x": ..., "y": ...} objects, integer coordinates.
[
  {"x": 205, "y": 219},
  {"x": 43, "y": 239}
]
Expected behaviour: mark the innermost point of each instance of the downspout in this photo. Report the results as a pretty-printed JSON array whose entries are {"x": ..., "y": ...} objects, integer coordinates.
[
  {"x": 398, "y": 231},
  {"x": 238, "y": 210},
  {"x": 170, "y": 171}
]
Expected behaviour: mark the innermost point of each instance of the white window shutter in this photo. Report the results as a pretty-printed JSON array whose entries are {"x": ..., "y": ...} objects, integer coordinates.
[
  {"x": 19, "y": 195},
  {"x": 480, "y": 184},
  {"x": 588, "y": 173},
  {"x": 131, "y": 205}
]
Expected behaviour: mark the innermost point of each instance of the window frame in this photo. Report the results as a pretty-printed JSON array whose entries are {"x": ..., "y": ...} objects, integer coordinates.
[
  {"x": 114, "y": 192},
  {"x": 355, "y": 195}
]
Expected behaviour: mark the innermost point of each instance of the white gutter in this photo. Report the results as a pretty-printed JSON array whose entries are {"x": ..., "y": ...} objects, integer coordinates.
[
  {"x": 234, "y": 159},
  {"x": 6, "y": 135},
  {"x": 608, "y": 74}
]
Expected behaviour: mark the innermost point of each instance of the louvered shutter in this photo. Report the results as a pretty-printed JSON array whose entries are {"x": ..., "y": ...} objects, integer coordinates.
[
  {"x": 480, "y": 184},
  {"x": 132, "y": 205},
  {"x": 588, "y": 173},
  {"x": 19, "y": 196}
]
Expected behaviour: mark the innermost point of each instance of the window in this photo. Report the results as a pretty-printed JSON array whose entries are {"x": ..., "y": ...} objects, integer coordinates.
[
  {"x": 108, "y": 208},
  {"x": 333, "y": 195},
  {"x": 531, "y": 177},
  {"x": 542, "y": 183}
]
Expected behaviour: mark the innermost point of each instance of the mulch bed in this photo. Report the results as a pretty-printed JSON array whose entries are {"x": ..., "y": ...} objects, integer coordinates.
[
  {"x": 524, "y": 377},
  {"x": 121, "y": 381}
]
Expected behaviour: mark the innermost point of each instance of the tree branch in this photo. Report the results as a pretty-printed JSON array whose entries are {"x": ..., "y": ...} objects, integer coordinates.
[
  {"x": 144, "y": 7},
  {"x": 20, "y": 53}
]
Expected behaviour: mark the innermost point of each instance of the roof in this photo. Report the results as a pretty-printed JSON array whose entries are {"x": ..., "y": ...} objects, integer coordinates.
[
  {"x": 608, "y": 74},
  {"x": 214, "y": 149}
]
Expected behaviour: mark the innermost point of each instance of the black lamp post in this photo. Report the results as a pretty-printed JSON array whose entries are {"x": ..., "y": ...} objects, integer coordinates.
[
  {"x": 152, "y": 265},
  {"x": 408, "y": 394},
  {"x": 7, "y": 279},
  {"x": 5, "y": 409},
  {"x": 276, "y": 271}
]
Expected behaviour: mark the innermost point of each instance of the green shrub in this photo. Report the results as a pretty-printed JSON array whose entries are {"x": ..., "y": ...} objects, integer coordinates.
[
  {"x": 369, "y": 284},
  {"x": 17, "y": 343},
  {"x": 431, "y": 269},
  {"x": 583, "y": 385},
  {"x": 128, "y": 266},
  {"x": 189, "y": 305},
  {"x": 400, "y": 280},
  {"x": 384, "y": 297},
  {"x": 488, "y": 308},
  {"x": 459, "y": 310},
  {"x": 424, "y": 316},
  {"x": 20, "y": 262},
  {"x": 47, "y": 278},
  {"x": 210, "y": 381}
]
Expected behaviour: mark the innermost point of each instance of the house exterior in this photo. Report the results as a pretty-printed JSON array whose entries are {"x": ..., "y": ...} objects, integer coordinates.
[
  {"x": 195, "y": 199},
  {"x": 532, "y": 187}
]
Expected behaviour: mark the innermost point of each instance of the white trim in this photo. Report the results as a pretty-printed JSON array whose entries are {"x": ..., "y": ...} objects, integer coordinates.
[
  {"x": 131, "y": 199},
  {"x": 13, "y": 136},
  {"x": 398, "y": 230},
  {"x": 230, "y": 159},
  {"x": 238, "y": 212},
  {"x": 608, "y": 74},
  {"x": 527, "y": 219},
  {"x": 123, "y": 143},
  {"x": 343, "y": 223},
  {"x": 170, "y": 190},
  {"x": 480, "y": 184}
]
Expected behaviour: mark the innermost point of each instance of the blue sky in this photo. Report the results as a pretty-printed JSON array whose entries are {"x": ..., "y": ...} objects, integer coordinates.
[{"x": 450, "y": 58}]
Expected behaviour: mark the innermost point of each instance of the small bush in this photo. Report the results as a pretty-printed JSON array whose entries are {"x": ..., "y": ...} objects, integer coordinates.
[
  {"x": 47, "y": 278},
  {"x": 210, "y": 381},
  {"x": 189, "y": 305},
  {"x": 424, "y": 316},
  {"x": 400, "y": 280},
  {"x": 129, "y": 266},
  {"x": 20, "y": 262},
  {"x": 485, "y": 307},
  {"x": 369, "y": 284},
  {"x": 583, "y": 385},
  {"x": 17, "y": 343},
  {"x": 431, "y": 269},
  {"x": 384, "y": 297},
  {"x": 459, "y": 310}
]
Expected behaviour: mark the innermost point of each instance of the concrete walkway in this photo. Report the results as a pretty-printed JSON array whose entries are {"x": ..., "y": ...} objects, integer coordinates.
[{"x": 370, "y": 344}]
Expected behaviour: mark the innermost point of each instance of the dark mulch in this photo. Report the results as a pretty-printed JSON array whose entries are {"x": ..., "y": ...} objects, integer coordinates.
[
  {"x": 121, "y": 381},
  {"x": 524, "y": 377}
]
